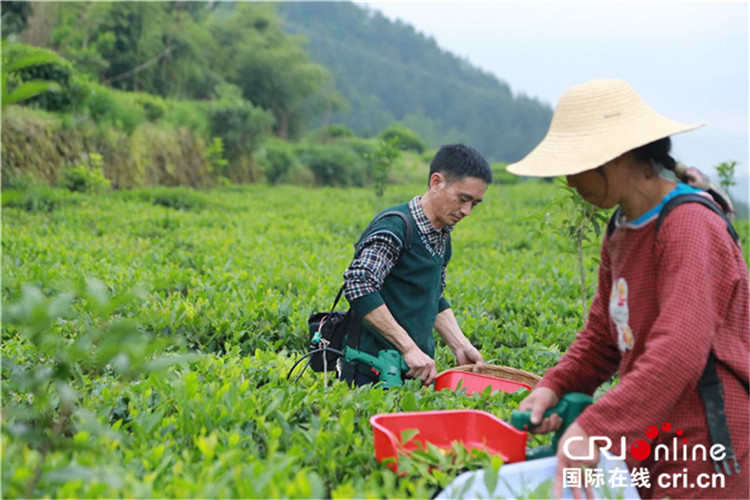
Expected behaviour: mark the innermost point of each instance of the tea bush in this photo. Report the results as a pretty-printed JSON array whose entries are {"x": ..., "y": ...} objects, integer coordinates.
[{"x": 231, "y": 275}]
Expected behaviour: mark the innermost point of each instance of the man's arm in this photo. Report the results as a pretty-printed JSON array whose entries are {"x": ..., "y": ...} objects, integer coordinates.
[
  {"x": 363, "y": 281},
  {"x": 447, "y": 326}
]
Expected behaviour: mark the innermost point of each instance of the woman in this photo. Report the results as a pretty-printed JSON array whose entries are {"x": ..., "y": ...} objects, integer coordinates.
[{"x": 666, "y": 299}]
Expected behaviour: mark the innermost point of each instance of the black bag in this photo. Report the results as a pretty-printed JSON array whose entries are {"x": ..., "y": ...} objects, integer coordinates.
[{"x": 332, "y": 326}]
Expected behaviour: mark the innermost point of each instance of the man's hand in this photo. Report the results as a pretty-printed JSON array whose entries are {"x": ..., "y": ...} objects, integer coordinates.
[
  {"x": 540, "y": 400},
  {"x": 421, "y": 366},
  {"x": 469, "y": 355},
  {"x": 577, "y": 448}
]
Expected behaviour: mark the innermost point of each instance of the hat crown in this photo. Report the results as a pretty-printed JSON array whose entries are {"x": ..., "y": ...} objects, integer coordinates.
[
  {"x": 594, "y": 123},
  {"x": 596, "y": 105}
]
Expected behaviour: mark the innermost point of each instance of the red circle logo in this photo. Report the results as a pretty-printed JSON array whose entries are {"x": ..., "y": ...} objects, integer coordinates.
[{"x": 640, "y": 450}]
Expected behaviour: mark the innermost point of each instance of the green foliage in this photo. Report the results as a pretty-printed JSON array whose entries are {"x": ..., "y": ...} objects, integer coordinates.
[
  {"x": 157, "y": 47},
  {"x": 501, "y": 176},
  {"x": 14, "y": 17},
  {"x": 114, "y": 108},
  {"x": 407, "y": 140},
  {"x": 279, "y": 160},
  {"x": 332, "y": 165},
  {"x": 176, "y": 198},
  {"x": 726, "y": 174},
  {"x": 23, "y": 91},
  {"x": 234, "y": 273},
  {"x": 215, "y": 155},
  {"x": 86, "y": 178},
  {"x": 330, "y": 132},
  {"x": 381, "y": 161},
  {"x": 271, "y": 68},
  {"x": 41, "y": 146},
  {"x": 67, "y": 339},
  {"x": 36, "y": 198},
  {"x": 240, "y": 125},
  {"x": 127, "y": 110},
  {"x": 581, "y": 223},
  {"x": 389, "y": 72},
  {"x": 40, "y": 78}
]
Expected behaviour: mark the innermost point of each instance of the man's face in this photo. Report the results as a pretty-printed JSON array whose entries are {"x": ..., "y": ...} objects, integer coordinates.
[{"x": 454, "y": 201}]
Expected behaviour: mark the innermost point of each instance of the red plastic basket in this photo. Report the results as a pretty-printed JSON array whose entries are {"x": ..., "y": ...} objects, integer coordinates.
[
  {"x": 475, "y": 382},
  {"x": 475, "y": 429}
]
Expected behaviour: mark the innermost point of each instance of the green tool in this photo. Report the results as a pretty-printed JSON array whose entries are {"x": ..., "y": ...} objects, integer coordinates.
[
  {"x": 389, "y": 365},
  {"x": 570, "y": 406}
]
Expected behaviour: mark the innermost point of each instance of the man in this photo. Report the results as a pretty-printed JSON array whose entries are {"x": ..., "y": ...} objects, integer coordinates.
[{"x": 395, "y": 287}]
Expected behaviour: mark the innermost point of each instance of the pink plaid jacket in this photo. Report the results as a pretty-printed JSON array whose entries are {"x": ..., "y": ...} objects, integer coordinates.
[{"x": 663, "y": 303}]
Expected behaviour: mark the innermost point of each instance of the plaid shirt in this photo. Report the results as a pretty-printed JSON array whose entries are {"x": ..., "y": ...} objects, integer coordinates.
[{"x": 380, "y": 252}]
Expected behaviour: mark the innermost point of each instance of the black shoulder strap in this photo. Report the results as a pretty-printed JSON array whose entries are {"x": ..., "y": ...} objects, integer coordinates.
[
  {"x": 674, "y": 203},
  {"x": 711, "y": 391},
  {"x": 695, "y": 198},
  {"x": 611, "y": 224},
  {"x": 407, "y": 223}
]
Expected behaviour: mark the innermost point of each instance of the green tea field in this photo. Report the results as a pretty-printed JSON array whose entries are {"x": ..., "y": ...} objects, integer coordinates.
[{"x": 147, "y": 336}]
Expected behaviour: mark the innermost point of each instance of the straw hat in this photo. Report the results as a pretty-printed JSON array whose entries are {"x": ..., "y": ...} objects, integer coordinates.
[{"x": 594, "y": 123}]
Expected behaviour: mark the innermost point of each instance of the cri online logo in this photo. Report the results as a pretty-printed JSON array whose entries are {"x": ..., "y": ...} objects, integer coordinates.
[{"x": 641, "y": 450}]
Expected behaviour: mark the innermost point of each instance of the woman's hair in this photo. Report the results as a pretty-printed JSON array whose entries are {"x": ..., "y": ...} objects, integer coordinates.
[{"x": 656, "y": 154}]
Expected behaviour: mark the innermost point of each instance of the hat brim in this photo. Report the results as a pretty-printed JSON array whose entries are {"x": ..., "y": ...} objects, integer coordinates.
[{"x": 561, "y": 154}]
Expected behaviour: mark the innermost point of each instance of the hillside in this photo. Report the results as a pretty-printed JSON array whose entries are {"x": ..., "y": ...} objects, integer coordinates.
[{"x": 387, "y": 71}]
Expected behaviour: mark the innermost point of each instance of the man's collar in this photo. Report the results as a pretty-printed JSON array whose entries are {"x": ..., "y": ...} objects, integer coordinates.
[{"x": 420, "y": 217}]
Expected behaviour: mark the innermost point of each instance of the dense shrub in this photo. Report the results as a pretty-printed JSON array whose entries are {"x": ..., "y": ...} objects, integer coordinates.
[
  {"x": 240, "y": 125},
  {"x": 333, "y": 165},
  {"x": 127, "y": 110},
  {"x": 111, "y": 107},
  {"x": 85, "y": 179},
  {"x": 179, "y": 198},
  {"x": 408, "y": 139},
  {"x": 330, "y": 132},
  {"x": 37, "y": 198},
  {"x": 278, "y": 159},
  {"x": 73, "y": 88},
  {"x": 361, "y": 147}
]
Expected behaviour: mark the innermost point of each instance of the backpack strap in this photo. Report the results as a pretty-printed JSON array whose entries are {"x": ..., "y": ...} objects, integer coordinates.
[
  {"x": 407, "y": 223},
  {"x": 448, "y": 249},
  {"x": 695, "y": 198},
  {"x": 611, "y": 226},
  {"x": 711, "y": 391},
  {"x": 674, "y": 203}
]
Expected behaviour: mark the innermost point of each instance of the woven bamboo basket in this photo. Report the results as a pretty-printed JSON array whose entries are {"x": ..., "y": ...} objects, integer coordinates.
[{"x": 505, "y": 372}]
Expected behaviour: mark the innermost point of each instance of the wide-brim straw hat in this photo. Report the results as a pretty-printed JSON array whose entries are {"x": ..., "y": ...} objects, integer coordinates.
[{"x": 594, "y": 123}]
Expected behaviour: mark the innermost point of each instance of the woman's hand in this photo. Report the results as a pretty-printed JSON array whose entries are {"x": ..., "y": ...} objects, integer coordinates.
[
  {"x": 540, "y": 400},
  {"x": 579, "y": 447}
]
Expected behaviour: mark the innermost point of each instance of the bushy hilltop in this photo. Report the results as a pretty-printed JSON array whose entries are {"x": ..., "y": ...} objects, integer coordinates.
[
  {"x": 387, "y": 71},
  {"x": 203, "y": 94}
]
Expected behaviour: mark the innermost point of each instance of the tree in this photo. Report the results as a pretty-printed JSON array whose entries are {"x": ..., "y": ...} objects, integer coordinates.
[
  {"x": 271, "y": 68},
  {"x": 15, "y": 17},
  {"x": 156, "y": 47}
]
